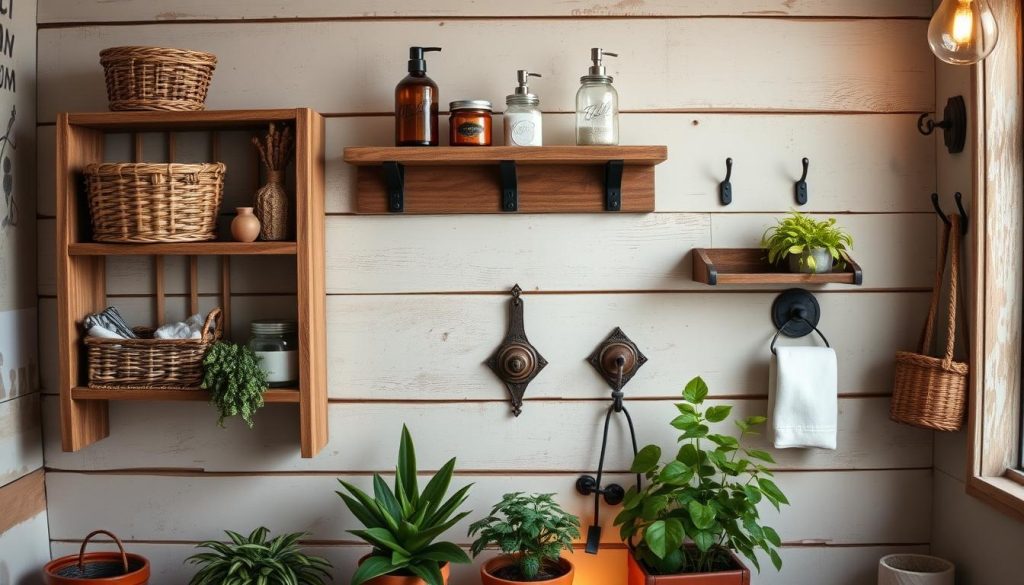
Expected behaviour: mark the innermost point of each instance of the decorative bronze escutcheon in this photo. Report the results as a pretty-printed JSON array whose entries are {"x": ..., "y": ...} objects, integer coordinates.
[
  {"x": 617, "y": 349},
  {"x": 516, "y": 361}
]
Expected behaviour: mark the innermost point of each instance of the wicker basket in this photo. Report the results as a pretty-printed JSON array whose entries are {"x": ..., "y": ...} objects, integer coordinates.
[
  {"x": 931, "y": 392},
  {"x": 147, "y": 364},
  {"x": 145, "y": 203},
  {"x": 154, "y": 78}
]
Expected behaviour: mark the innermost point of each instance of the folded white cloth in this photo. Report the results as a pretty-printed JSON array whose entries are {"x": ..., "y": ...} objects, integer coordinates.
[
  {"x": 98, "y": 331},
  {"x": 191, "y": 328},
  {"x": 803, "y": 397}
]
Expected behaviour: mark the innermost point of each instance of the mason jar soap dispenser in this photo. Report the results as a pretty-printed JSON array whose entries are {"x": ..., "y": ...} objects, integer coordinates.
[
  {"x": 597, "y": 105},
  {"x": 522, "y": 116},
  {"x": 416, "y": 100}
]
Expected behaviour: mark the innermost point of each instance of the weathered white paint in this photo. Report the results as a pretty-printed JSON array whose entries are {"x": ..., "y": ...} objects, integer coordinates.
[
  {"x": 860, "y": 65},
  {"x": 19, "y": 371},
  {"x": 24, "y": 551},
  {"x": 21, "y": 449}
]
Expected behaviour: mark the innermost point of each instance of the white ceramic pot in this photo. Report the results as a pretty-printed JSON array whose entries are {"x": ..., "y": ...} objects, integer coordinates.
[
  {"x": 822, "y": 261},
  {"x": 914, "y": 570}
]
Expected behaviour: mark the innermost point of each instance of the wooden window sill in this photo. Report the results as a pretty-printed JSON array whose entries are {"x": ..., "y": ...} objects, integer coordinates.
[{"x": 1005, "y": 493}]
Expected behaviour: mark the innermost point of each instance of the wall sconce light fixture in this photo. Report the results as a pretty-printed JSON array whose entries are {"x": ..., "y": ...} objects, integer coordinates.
[{"x": 953, "y": 124}]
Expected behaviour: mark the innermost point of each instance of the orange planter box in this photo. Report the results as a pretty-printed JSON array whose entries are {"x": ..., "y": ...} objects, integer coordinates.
[{"x": 639, "y": 576}]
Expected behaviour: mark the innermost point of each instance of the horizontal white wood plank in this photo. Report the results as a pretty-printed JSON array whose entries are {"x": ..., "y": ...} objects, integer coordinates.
[
  {"x": 21, "y": 448},
  {"x": 124, "y": 504},
  {"x": 352, "y": 66},
  {"x": 405, "y": 347},
  {"x": 598, "y": 252},
  {"x": 79, "y": 11},
  {"x": 550, "y": 436},
  {"x": 24, "y": 549},
  {"x": 869, "y": 162}
]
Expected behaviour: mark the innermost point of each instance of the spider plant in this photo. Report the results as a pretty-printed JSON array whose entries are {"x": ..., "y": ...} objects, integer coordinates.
[{"x": 253, "y": 560}]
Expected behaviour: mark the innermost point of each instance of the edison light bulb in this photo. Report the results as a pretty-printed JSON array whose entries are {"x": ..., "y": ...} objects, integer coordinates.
[{"x": 963, "y": 32}]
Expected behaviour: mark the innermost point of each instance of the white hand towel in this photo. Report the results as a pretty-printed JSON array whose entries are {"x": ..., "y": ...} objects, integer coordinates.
[{"x": 803, "y": 397}]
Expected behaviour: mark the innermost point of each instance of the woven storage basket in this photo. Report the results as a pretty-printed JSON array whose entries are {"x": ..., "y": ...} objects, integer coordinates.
[
  {"x": 931, "y": 392},
  {"x": 147, "y": 363},
  {"x": 145, "y": 203},
  {"x": 154, "y": 78}
]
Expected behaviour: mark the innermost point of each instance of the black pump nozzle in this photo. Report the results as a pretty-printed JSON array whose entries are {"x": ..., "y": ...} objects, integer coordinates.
[{"x": 417, "y": 64}]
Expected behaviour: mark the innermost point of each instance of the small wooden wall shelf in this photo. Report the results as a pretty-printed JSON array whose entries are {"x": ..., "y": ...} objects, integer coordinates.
[
  {"x": 750, "y": 266},
  {"x": 81, "y": 140},
  {"x": 496, "y": 179}
]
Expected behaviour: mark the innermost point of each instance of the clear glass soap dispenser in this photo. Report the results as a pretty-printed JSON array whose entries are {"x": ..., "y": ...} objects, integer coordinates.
[{"x": 597, "y": 105}]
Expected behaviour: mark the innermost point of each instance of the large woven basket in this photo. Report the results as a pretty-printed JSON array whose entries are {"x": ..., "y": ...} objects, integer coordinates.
[
  {"x": 931, "y": 392},
  {"x": 144, "y": 203},
  {"x": 155, "y": 78},
  {"x": 147, "y": 363}
]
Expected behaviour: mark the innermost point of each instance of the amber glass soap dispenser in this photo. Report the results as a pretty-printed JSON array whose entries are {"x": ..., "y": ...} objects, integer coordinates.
[{"x": 416, "y": 100}]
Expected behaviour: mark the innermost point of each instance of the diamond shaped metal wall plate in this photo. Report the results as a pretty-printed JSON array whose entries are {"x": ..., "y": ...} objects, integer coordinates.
[
  {"x": 605, "y": 359},
  {"x": 516, "y": 361}
]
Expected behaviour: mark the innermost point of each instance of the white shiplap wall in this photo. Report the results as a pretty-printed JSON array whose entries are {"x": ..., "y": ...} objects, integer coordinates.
[{"x": 766, "y": 82}]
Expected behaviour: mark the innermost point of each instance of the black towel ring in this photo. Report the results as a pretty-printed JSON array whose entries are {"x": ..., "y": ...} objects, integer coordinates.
[{"x": 799, "y": 317}]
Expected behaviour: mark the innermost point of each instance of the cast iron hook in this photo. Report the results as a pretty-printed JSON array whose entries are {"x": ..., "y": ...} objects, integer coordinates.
[
  {"x": 938, "y": 209},
  {"x": 801, "y": 185},
  {"x": 725, "y": 187},
  {"x": 963, "y": 213}
]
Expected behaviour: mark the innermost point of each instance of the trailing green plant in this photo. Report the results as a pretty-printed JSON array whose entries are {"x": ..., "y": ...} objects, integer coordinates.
[
  {"x": 236, "y": 382},
  {"x": 532, "y": 528},
  {"x": 401, "y": 524},
  {"x": 702, "y": 502},
  {"x": 798, "y": 233},
  {"x": 253, "y": 560}
]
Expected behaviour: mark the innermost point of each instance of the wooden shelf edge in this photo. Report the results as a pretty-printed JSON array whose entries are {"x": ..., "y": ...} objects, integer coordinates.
[
  {"x": 707, "y": 271},
  {"x": 197, "y": 119},
  {"x": 540, "y": 155},
  {"x": 272, "y": 396},
  {"x": 184, "y": 249}
]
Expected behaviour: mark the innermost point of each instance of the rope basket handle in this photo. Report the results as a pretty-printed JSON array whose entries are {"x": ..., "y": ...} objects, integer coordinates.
[
  {"x": 933, "y": 305},
  {"x": 81, "y": 552},
  {"x": 954, "y": 286},
  {"x": 212, "y": 325}
]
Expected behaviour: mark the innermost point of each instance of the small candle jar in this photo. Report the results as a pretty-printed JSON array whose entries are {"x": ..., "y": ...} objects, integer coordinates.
[
  {"x": 470, "y": 123},
  {"x": 277, "y": 343}
]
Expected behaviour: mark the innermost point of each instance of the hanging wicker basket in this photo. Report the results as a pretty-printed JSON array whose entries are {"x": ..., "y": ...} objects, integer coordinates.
[
  {"x": 111, "y": 568},
  {"x": 145, "y": 203},
  {"x": 151, "y": 364},
  {"x": 155, "y": 78},
  {"x": 931, "y": 392}
]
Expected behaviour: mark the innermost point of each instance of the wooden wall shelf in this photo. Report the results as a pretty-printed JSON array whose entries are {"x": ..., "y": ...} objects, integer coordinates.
[
  {"x": 750, "y": 266},
  {"x": 547, "y": 179},
  {"x": 81, "y": 140}
]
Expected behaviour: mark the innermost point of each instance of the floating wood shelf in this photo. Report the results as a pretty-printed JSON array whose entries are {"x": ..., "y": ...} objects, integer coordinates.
[
  {"x": 496, "y": 179},
  {"x": 750, "y": 266},
  {"x": 81, "y": 140},
  {"x": 272, "y": 396},
  {"x": 185, "y": 249}
]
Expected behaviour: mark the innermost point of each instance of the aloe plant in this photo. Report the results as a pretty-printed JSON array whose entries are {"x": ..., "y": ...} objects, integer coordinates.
[
  {"x": 253, "y": 560},
  {"x": 402, "y": 523}
]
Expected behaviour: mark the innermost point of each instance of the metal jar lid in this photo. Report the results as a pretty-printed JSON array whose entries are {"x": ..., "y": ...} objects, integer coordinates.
[
  {"x": 522, "y": 100},
  {"x": 470, "y": 105},
  {"x": 273, "y": 327}
]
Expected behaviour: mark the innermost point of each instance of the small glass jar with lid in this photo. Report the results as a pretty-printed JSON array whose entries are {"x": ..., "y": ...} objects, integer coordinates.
[
  {"x": 277, "y": 343},
  {"x": 470, "y": 123}
]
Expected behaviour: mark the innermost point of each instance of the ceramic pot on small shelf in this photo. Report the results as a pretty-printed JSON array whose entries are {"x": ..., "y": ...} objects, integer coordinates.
[
  {"x": 490, "y": 570},
  {"x": 246, "y": 226},
  {"x": 822, "y": 261}
]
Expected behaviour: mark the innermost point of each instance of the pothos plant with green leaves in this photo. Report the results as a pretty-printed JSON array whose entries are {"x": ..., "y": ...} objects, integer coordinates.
[
  {"x": 798, "y": 233},
  {"x": 235, "y": 379},
  {"x": 703, "y": 502}
]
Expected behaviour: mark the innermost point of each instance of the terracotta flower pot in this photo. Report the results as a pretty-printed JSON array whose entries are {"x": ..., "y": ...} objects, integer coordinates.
[
  {"x": 494, "y": 565},
  {"x": 738, "y": 576},
  {"x": 405, "y": 579},
  {"x": 108, "y": 568}
]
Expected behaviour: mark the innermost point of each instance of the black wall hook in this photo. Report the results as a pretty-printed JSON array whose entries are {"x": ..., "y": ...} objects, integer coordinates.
[
  {"x": 953, "y": 124},
  {"x": 801, "y": 185},
  {"x": 796, "y": 313},
  {"x": 959, "y": 198},
  {"x": 725, "y": 187}
]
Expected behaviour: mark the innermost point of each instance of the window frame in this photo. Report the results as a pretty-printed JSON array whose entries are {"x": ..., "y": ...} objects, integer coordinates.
[{"x": 994, "y": 420}]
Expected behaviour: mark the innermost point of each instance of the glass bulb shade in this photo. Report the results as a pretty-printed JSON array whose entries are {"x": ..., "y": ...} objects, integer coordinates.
[{"x": 963, "y": 32}]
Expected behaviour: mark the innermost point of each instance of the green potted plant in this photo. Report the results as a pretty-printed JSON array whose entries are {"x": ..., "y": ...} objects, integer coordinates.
[
  {"x": 810, "y": 245},
  {"x": 700, "y": 508},
  {"x": 236, "y": 382},
  {"x": 402, "y": 524},
  {"x": 532, "y": 531},
  {"x": 254, "y": 560}
]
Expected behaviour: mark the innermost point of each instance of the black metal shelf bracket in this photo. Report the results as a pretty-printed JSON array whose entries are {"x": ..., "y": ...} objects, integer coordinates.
[
  {"x": 394, "y": 179},
  {"x": 801, "y": 185},
  {"x": 509, "y": 186},
  {"x": 613, "y": 185}
]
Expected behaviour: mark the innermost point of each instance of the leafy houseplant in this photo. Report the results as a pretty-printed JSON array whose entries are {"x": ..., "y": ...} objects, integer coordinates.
[
  {"x": 401, "y": 524},
  {"x": 236, "y": 382},
  {"x": 700, "y": 507},
  {"x": 811, "y": 245},
  {"x": 532, "y": 531},
  {"x": 254, "y": 560}
]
